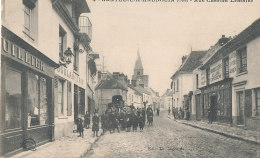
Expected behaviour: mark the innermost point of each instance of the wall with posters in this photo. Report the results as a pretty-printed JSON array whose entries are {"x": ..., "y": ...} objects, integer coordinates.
[{"x": 216, "y": 72}]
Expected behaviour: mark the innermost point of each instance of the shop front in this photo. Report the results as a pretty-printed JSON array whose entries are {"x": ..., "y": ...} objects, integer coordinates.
[
  {"x": 69, "y": 99},
  {"x": 26, "y": 94},
  {"x": 217, "y": 97}
]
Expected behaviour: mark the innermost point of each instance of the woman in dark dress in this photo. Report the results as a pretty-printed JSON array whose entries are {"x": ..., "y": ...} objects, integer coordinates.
[
  {"x": 135, "y": 122},
  {"x": 95, "y": 126}
]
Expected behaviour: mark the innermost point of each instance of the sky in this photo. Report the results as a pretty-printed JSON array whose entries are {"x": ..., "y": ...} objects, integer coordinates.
[{"x": 163, "y": 33}]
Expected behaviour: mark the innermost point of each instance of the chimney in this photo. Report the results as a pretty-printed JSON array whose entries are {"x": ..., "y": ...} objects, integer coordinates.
[
  {"x": 183, "y": 58},
  {"x": 223, "y": 40}
]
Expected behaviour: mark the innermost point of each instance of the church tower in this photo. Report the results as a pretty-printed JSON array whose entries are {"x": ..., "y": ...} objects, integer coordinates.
[
  {"x": 138, "y": 69},
  {"x": 139, "y": 78}
]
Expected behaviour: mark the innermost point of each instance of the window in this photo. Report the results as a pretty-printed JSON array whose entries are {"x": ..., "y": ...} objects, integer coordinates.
[
  {"x": 226, "y": 67},
  {"x": 197, "y": 81},
  {"x": 37, "y": 100},
  {"x": 27, "y": 19},
  {"x": 62, "y": 43},
  {"x": 208, "y": 76},
  {"x": 258, "y": 101},
  {"x": 174, "y": 86},
  {"x": 177, "y": 87},
  {"x": 242, "y": 60},
  {"x": 61, "y": 97},
  {"x": 13, "y": 87}
]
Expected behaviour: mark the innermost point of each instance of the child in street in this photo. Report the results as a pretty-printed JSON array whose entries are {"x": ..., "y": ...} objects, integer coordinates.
[{"x": 80, "y": 127}]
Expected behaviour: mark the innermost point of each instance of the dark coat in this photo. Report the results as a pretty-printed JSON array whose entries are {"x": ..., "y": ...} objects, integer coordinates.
[
  {"x": 95, "y": 126},
  {"x": 80, "y": 125}
]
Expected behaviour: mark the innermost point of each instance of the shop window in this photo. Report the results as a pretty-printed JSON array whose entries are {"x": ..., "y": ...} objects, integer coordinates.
[
  {"x": 13, "y": 87},
  {"x": 242, "y": 60},
  {"x": 226, "y": 67},
  {"x": 62, "y": 43},
  {"x": 258, "y": 101},
  {"x": 37, "y": 100}
]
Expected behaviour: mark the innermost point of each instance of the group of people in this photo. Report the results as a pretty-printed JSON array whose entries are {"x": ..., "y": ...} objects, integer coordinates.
[
  {"x": 86, "y": 124},
  {"x": 115, "y": 120}
]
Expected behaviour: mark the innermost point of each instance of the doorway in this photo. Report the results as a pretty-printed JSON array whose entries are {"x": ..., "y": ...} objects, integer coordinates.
[
  {"x": 241, "y": 109},
  {"x": 76, "y": 109},
  {"x": 213, "y": 107}
]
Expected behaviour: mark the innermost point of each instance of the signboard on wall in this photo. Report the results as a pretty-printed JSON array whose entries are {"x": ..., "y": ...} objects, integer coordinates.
[
  {"x": 203, "y": 78},
  {"x": 232, "y": 64},
  {"x": 216, "y": 72}
]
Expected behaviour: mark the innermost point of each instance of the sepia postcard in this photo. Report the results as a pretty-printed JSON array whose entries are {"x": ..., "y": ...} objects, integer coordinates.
[{"x": 130, "y": 79}]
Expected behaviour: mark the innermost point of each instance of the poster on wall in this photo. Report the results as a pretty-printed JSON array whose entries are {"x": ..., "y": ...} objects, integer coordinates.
[
  {"x": 232, "y": 64},
  {"x": 216, "y": 72}
]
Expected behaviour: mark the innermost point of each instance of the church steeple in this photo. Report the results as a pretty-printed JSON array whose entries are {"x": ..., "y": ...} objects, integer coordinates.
[{"x": 138, "y": 69}]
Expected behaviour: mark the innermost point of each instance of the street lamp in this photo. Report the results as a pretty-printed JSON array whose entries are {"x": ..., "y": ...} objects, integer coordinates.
[{"x": 68, "y": 55}]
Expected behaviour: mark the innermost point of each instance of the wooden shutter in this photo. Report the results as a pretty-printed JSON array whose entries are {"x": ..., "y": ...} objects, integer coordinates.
[{"x": 69, "y": 107}]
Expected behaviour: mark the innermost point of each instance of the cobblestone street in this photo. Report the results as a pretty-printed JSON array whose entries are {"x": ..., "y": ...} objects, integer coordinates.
[{"x": 167, "y": 138}]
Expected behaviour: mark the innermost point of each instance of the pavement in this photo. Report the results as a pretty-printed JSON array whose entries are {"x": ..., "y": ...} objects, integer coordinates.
[
  {"x": 223, "y": 129},
  {"x": 167, "y": 138},
  {"x": 65, "y": 147}
]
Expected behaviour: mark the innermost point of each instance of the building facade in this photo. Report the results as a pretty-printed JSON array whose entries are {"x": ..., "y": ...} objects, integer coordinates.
[
  {"x": 182, "y": 81},
  {"x": 238, "y": 76},
  {"x": 36, "y": 58}
]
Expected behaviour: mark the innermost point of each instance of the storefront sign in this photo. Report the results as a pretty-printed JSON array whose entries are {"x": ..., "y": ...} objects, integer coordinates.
[
  {"x": 232, "y": 64},
  {"x": 216, "y": 72},
  {"x": 215, "y": 88},
  {"x": 69, "y": 75},
  {"x": 203, "y": 78},
  {"x": 15, "y": 52}
]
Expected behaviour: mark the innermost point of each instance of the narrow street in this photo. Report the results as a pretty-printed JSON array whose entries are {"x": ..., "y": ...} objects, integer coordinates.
[{"x": 167, "y": 138}]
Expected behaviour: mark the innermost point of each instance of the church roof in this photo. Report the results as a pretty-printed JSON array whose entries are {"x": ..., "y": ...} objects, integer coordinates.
[{"x": 138, "y": 62}]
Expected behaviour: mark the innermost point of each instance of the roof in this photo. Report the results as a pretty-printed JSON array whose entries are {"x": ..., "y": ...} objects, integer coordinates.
[
  {"x": 247, "y": 35},
  {"x": 111, "y": 83},
  {"x": 142, "y": 90},
  {"x": 138, "y": 62},
  {"x": 191, "y": 63},
  {"x": 168, "y": 92},
  {"x": 136, "y": 91}
]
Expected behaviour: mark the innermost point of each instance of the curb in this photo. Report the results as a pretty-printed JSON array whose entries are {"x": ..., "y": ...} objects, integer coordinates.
[
  {"x": 220, "y": 133},
  {"x": 91, "y": 146}
]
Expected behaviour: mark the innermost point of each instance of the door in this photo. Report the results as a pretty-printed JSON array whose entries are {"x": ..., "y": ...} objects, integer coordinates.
[
  {"x": 241, "y": 108},
  {"x": 213, "y": 106},
  {"x": 76, "y": 109},
  {"x": 198, "y": 107}
]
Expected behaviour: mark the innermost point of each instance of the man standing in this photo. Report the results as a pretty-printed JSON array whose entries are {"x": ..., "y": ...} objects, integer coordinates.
[{"x": 169, "y": 111}]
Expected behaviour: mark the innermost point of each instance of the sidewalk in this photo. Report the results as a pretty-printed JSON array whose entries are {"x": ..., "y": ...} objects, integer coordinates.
[
  {"x": 225, "y": 130},
  {"x": 66, "y": 147}
]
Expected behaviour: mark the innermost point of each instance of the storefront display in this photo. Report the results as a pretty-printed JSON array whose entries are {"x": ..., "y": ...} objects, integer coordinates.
[{"x": 26, "y": 94}]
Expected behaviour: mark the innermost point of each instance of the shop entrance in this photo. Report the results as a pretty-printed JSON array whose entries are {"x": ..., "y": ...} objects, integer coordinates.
[
  {"x": 198, "y": 107},
  {"x": 76, "y": 109},
  {"x": 241, "y": 109},
  {"x": 213, "y": 107}
]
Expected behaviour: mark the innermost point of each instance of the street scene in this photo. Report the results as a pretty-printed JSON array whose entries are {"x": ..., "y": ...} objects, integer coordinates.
[{"x": 130, "y": 78}]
